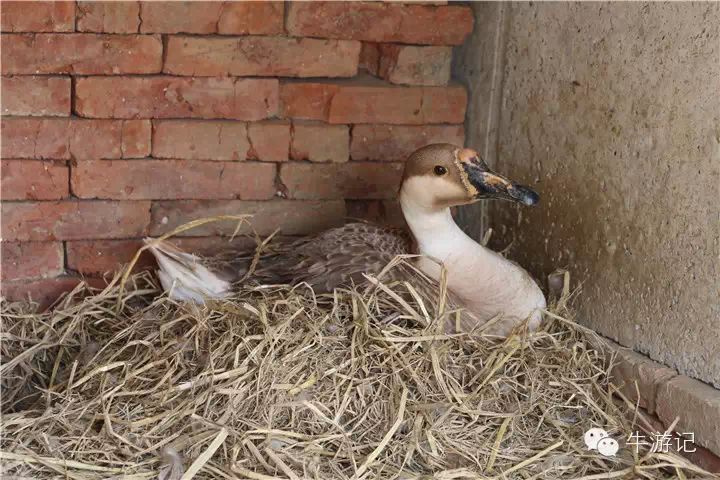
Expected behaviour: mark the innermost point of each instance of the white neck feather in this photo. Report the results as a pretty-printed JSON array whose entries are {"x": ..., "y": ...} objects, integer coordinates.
[
  {"x": 486, "y": 282},
  {"x": 439, "y": 237}
]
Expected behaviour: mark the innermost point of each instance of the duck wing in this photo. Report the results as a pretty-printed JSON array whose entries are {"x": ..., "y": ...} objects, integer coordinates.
[
  {"x": 340, "y": 256},
  {"x": 337, "y": 257}
]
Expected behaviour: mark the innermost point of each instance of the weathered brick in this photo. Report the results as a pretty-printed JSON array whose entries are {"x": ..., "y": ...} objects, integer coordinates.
[
  {"x": 56, "y": 16},
  {"x": 398, "y": 105},
  {"x": 252, "y": 18},
  {"x": 261, "y": 56},
  {"x": 30, "y": 95},
  {"x": 172, "y": 179},
  {"x": 696, "y": 404},
  {"x": 65, "y": 138},
  {"x": 372, "y": 101},
  {"x": 291, "y": 217},
  {"x": 108, "y": 17},
  {"x": 135, "y": 138},
  {"x": 354, "y": 180},
  {"x": 81, "y": 53},
  {"x": 180, "y": 17},
  {"x": 73, "y": 219},
  {"x": 25, "y": 260},
  {"x": 232, "y": 18},
  {"x": 370, "y": 57},
  {"x": 635, "y": 373},
  {"x": 221, "y": 140},
  {"x": 269, "y": 141},
  {"x": 703, "y": 458},
  {"x": 200, "y": 140},
  {"x": 45, "y": 291},
  {"x": 382, "y": 212},
  {"x": 34, "y": 138},
  {"x": 93, "y": 139},
  {"x": 33, "y": 180},
  {"x": 395, "y": 143},
  {"x": 412, "y": 65},
  {"x": 307, "y": 100},
  {"x": 97, "y": 257},
  {"x": 378, "y": 22},
  {"x": 176, "y": 97},
  {"x": 320, "y": 142}
]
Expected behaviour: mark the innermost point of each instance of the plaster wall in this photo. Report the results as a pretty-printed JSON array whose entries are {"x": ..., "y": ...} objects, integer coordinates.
[{"x": 611, "y": 111}]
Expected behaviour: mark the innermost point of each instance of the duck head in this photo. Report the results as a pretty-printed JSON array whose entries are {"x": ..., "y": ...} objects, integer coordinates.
[{"x": 443, "y": 175}]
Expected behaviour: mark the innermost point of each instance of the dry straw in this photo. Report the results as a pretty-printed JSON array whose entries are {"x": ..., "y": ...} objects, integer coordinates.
[{"x": 280, "y": 383}]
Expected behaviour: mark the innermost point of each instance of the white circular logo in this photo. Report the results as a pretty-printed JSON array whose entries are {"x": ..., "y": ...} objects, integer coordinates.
[
  {"x": 608, "y": 447},
  {"x": 593, "y": 436}
]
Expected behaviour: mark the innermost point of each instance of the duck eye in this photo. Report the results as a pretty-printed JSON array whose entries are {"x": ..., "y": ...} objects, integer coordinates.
[{"x": 440, "y": 170}]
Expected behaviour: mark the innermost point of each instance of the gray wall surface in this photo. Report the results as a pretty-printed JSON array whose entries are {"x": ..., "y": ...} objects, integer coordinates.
[{"x": 611, "y": 111}]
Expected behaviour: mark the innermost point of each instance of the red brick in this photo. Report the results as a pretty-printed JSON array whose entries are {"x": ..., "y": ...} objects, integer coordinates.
[
  {"x": 396, "y": 105},
  {"x": 93, "y": 139},
  {"x": 307, "y": 100},
  {"x": 221, "y": 140},
  {"x": 233, "y": 18},
  {"x": 412, "y": 65},
  {"x": 168, "y": 97},
  {"x": 44, "y": 292},
  {"x": 355, "y": 180},
  {"x": 291, "y": 217},
  {"x": 73, "y": 220},
  {"x": 65, "y": 138},
  {"x": 703, "y": 458},
  {"x": 172, "y": 179},
  {"x": 135, "y": 138},
  {"x": 366, "y": 100},
  {"x": 269, "y": 141},
  {"x": 443, "y": 104},
  {"x": 24, "y": 260},
  {"x": 320, "y": 142},
  {"x": 261, "y": 56},
  {"x": 370, "y": 57},
  {"x": 395, "y": 143},
  {"x": 252, "y": 18},
  {"x": 34, "y": 138},
  {"x": 45, "y": 17},
  {"x": 108, "y": 17},
  {"x": 81, "y": 53},
  {"x": 378, "y": 22},
  {"x": 97, "y": 257},
  {"x": 177, "y": 17},
  {"x": 382, "y": 212},
  {"x": 33, "y": 180},
  {"x": 42, "y": 96},
  {"x": 200, "y": 140}
]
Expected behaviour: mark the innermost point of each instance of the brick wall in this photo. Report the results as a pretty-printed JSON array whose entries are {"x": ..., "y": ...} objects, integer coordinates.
[{"x": 125, "y": 119}]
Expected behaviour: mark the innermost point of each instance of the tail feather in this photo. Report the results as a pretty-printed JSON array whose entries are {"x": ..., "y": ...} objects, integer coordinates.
[{"x": 184, "y": 276}]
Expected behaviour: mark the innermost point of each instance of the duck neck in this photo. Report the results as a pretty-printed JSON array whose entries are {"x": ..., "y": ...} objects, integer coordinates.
[{"x": 438, "y": 235}]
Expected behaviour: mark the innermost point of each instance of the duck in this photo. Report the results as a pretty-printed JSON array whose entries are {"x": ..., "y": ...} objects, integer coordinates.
[{"x": 436, "y": 178}]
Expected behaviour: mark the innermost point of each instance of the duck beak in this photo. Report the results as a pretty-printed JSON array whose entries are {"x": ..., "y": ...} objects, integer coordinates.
[{"x": 483, "y": 183}]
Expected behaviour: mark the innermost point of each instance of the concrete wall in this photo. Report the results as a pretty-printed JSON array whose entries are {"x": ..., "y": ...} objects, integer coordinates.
[{"x": 612, "y": 112}]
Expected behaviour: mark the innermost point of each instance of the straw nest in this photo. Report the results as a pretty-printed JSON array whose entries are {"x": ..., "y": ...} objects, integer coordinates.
[{"x": 277, "y": 382}]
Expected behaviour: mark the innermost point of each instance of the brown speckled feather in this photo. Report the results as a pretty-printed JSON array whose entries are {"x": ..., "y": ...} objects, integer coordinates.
[{"x": 334, "y": 258}]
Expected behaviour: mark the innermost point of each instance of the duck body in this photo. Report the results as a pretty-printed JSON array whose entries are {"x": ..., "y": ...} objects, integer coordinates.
[{"x": 437, "y": 177}]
